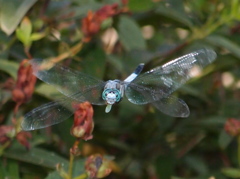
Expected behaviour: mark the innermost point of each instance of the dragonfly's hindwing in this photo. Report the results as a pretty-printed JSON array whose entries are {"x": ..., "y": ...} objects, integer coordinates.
[{"x": 47, "y": 114}]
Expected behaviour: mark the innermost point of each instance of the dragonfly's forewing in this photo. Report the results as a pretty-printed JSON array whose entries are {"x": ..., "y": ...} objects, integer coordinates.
[
  {"x": 158, "y": 83},
  {"x": 69, "y": 82}
]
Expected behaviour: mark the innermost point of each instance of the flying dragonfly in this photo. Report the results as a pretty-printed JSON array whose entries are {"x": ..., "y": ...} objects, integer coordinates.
[{"x": 155, "y": 86}]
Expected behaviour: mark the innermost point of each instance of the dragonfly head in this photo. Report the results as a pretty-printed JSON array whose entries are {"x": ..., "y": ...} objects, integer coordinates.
[{"x": 111, "y": 96}]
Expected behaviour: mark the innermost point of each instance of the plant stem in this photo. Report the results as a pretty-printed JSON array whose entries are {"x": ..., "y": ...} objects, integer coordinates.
[
  {"x": 71, "y": 52},
  {"x": 53, "y": 60},
  {"x": 238, "y": 138},
  {"x": 26, "y": 50},
  {"x": 74, "y": 151},
  {"x": 70, "y": 168},
  {"x": 4, "y": 146},
  {"x": 82, "y": 176}
]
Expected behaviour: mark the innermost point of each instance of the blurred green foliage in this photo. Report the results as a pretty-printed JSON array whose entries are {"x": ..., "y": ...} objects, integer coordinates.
[{"x": 144, "y": 142}]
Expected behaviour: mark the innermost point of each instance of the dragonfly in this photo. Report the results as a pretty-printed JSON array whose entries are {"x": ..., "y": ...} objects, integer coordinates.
[{"x": 154, "y": 86}]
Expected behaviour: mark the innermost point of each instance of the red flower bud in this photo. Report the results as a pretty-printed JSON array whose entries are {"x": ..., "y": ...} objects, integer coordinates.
[
  {"x": 18, "y": 95},
  {"x": 97, "y": 167},
  {"x": 90, "y": 25},
  {"x": 75, "y": 150},
  {"x": 8, "y": 84},
  {"x": 83, "y": 121},
  {"x": 124, "y": 2},
  {"x": 25, "y": 83},
  {"x": 232, "y": 127},
  {"x": 5, "y": 132},
  {"x": 107, "y": 11},
  {"x": 23, "y": 137},
  {"x": 92, "y": 22}
]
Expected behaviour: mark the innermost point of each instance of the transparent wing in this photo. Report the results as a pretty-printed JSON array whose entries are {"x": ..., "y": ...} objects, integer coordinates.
[
  {"x": 48, "y": 114},
  {"x": 161, "y": 81},
  {"x": 140, "y": 94},
  {"x": 169, "y": 105},
  {"x": 68, "y": 81},
  {"x": 57, "y": 111},
  {"x": 172, "y": 106},
  {"x": 92, "y": 94}
]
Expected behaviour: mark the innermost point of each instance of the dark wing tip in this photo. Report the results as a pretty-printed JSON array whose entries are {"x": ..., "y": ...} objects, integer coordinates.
[{"x": 139, "y": 68}]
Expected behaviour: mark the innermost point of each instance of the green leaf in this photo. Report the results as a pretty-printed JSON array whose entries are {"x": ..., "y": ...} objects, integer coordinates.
[
  {"x": 35, "y": 156},
  {"x": 116, "y": 62},
  {"x": 12, "y": 12},
  {"x": 119, "y": 145},
  {"x": 9, "y": 169},
  {"x": 83, "y": 8},
  {"x": 193, "y": 91},
  {"x": 213, "y": 121},
  {"x": 139, "y": 6},
  {"x": 165, "y": 165},
  {"x": 24, "y": 32},
  {"x": 130, "y": 34},
  {"x": 97, "y": 59},
  {"x": 4, "y": 44},
  {"x": 225, "y": 43},
  {"x": 231, "y": 172},
  {"x": 37, "y": 36},
  {"x": 53, "y": 175},
  {"x": 224, "y": 139},
  {"x": 78, "y": 168},
  {"x": 175, "y": 14},
  {"x": 9, "y": 67},
  {"x": 48, "y": 91},
  {"x": 2, "y": 170},
  {"x": 197, "y": 164},
  {"x": 13, "y": 169},
  {"x": 235, "y": 7}
]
